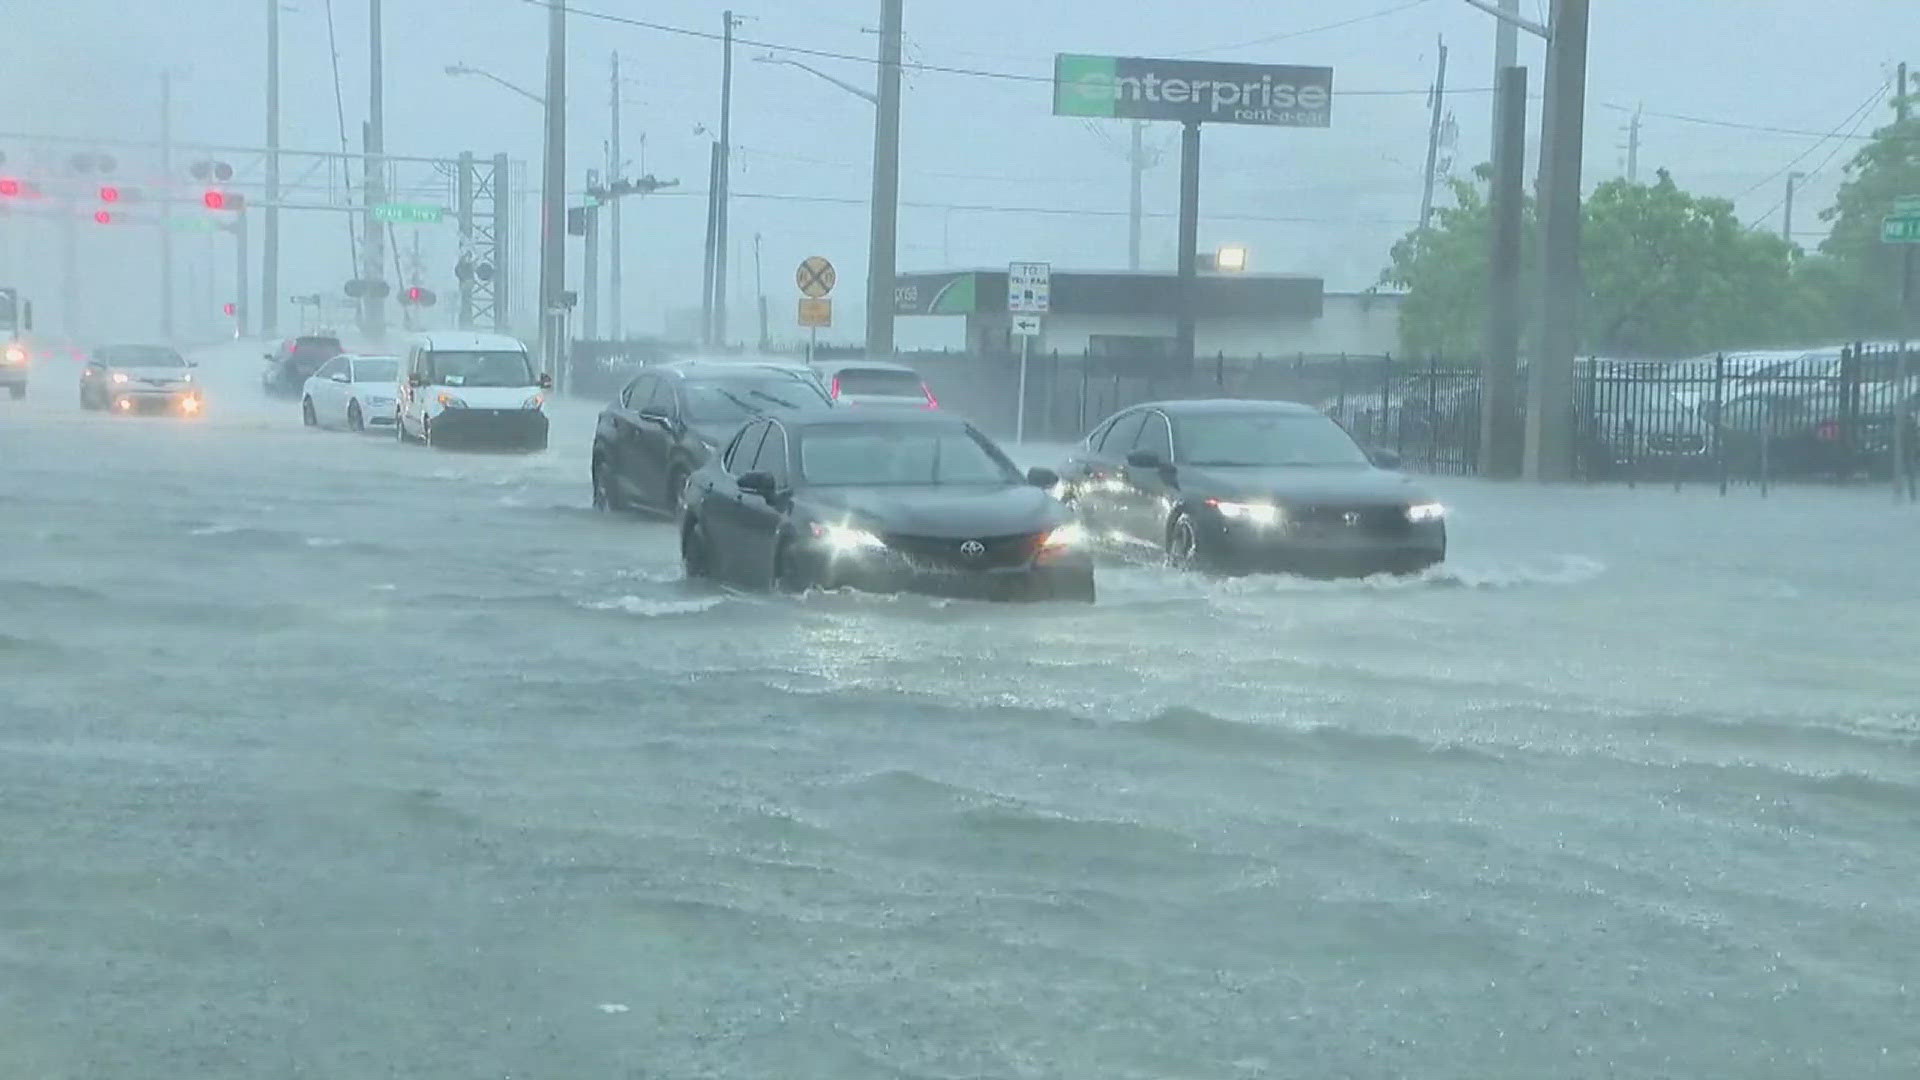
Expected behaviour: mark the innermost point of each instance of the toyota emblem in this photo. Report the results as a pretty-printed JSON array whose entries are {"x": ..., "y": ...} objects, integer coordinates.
[{"x": 973, "y": 549}]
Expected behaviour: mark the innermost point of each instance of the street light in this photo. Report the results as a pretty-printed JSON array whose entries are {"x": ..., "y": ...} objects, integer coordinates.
[
  {"x": 458, "y": 70},
  {"x": 1231, "y": 259},
  {"x": 868, "y": 96}
]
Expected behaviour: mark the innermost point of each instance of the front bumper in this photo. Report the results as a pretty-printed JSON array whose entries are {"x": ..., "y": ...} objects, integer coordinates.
[
  {"x": 13, "y": 374},
  {"x": 520, "y": 429},
  {"x": 1064, "y": 576},
  {"x": 1324, "y": 550},
  {"x": 151, "y": 402}
]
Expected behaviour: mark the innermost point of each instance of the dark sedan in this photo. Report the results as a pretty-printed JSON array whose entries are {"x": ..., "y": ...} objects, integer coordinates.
[
  {"x": 294, "y": 362},
  {"x": 1236, "y": 486},
  {"x": 885, "y": 502},
  {"x": 668, "y": 421}
]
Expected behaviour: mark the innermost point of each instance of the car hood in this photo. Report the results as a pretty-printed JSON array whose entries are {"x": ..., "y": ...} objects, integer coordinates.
[
  {"x": 164, "y": 374},
  {"x": 957, "y": 513},
  {"x": 487, "y": 397},
  {"x": 1302, "y": 484}
]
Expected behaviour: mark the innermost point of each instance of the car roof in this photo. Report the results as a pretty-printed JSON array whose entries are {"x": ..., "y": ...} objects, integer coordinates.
[
  {"x": 1224, "y": 406},
  {"x": 875, "y": 418},
  {"x": 468, "y": 341},
  {"x": 370, "y": 356},
  {"x": 863, "y": 365},
  {"x": 699, "y": 369}
]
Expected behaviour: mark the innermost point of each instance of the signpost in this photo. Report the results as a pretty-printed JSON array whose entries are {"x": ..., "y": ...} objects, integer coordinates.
[
  {"x": 1029, "y": 296},
  {"x": 1192, "y": 92},
  {"x": 816, "y": 278},
  {"x": 407, "y": 213},
  {"x": 1903, "y": 228}
]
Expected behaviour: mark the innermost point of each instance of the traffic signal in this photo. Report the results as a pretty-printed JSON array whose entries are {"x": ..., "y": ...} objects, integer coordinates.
[
  {"x": 215, "y": 199},
  {"x": 9, "y": 187},
  {"x": 109, "y": 193},
  {"x": 416, "y": 296},
  {"x": 229, "y": 307},
  {"x": 103, "y": 217}
]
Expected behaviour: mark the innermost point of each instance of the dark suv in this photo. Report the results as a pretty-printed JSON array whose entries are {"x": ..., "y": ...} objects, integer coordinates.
[
  {"x": 289, "y": 366},
  {"x": 669, "y": 420}
]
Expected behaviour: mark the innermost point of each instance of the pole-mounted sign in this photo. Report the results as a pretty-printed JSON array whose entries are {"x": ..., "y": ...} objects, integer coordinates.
[{"x": 1192, "y": 91}]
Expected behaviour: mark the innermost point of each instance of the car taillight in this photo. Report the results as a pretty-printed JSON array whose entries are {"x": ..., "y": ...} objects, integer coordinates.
[
  {"x": 932, "y": 402},
  {"x": 1828, "y": 432}
]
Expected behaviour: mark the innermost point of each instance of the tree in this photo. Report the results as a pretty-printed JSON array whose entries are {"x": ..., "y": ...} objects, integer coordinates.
[
  {"x": 1864, "y": 277},
  {"x": 1667, "y": 273}
]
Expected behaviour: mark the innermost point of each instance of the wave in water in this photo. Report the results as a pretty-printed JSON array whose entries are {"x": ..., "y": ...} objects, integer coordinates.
[
  {"x": 655, "y": 608},
  {"x": 1205, "y": 731}
]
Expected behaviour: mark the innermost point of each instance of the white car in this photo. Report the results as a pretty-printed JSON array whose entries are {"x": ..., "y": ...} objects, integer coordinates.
[
  {"x": 463, "y": 388},
  {"x": 354, "y": 392},
  {"x": 875, "y": 382}
]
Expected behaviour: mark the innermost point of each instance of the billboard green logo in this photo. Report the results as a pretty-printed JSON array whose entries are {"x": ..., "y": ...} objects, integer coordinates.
[
  {"x": 1084, "y": 85},
  {"x": 1192, "y": 91}
]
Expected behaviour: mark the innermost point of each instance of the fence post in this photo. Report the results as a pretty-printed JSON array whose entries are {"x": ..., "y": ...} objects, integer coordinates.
[
  {"x": 1766, "y": 451},
  {"x": 1086, "y": 364},
  {"x": 1340, "y": 382},
  {"x": 1903, "y": 479},
  {"x": 1380, "y": 418},
  {"x": 1720, "y": 416}
]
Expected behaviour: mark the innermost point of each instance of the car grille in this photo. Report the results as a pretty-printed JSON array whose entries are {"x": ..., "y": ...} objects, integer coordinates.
[
  {"x": 948, "y": 553},
  {"x": 1367, "y": 520}
]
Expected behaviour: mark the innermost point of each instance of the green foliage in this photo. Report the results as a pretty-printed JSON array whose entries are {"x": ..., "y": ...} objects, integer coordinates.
[
  {"x": 1864, "y": 274},
  {"x": 1444, "y": 272}
]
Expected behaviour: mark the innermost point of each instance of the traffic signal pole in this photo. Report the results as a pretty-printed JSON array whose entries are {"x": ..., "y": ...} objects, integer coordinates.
[
  {"x": 166, "y": 211},
  {"x": 553, "y": 198},
  {"x": 373, "y": 308},
  {"x": 240, "y": 285},
  {"x": 270, "y": 240}
]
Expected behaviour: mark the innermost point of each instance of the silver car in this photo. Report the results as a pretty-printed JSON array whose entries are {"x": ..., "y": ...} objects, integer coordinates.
[{"x": 140, "y": 379}]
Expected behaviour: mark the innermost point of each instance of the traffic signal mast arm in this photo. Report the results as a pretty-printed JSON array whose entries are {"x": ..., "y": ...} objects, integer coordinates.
[{"x": 620, "y": 189}]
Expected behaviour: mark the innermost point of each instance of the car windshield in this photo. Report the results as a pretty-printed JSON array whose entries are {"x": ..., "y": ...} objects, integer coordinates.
[
  {"x": 1263, "y": 439},
  {"x": 721, "y": 401},
  {"x": 500, "y": 368},
  {"x": 899, "y": 455},
  {"x": 142, "y": 356},
  {"x": 376, "y": 371},
  {"x": 877, "y": 382}
]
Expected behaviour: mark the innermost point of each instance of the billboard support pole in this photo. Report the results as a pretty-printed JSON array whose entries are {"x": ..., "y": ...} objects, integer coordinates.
[{"x": 1189, "y": 242}]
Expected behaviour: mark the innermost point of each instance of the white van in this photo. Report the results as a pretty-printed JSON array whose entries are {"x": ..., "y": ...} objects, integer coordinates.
[{"x": 468, "y": 389}]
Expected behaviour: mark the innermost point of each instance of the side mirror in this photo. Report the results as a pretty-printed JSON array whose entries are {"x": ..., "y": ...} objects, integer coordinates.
[
  {"x": 415, "y": 379},
  {"x": 1145, "y": 459},
  {"x": 193, "y": 363},
  {"x": 546, "y": 381},
  {"x": 341, "y": 377},
  {"x": 1384, "y": 458},
  {"x": 1042, "y": 477},
  {"x": 758, "y": 483}
]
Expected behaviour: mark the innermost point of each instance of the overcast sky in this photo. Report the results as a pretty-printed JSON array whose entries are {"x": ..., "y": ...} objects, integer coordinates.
[{"x": 1327, "y": 203}]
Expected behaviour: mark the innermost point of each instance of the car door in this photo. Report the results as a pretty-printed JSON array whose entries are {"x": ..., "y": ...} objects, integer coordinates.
[
  {"x": 408, "y": 394},
  {"x": 761, "y": 519},
  {"x": 724, "y": 511},
  {"x": 324, "y": 391},
  {"x": 1099, "y": 470},
  {"x": 1148, "y": 494},
  {"x": 650, "y": 444},
  {"x": 93, "y": 379},
  {"x": 620, "y": 440}
]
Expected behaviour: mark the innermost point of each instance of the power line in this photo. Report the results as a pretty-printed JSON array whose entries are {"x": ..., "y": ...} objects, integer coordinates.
[
  {"x": 1290, "y": 35},
  {"x": 939, "y": 69},
  {"x": 1856, "y": 118},
  {"x": 1735, "y": 124}
]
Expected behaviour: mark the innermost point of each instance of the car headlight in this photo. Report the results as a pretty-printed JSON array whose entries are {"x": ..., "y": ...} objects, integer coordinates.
[
  {"x": 189, "y": 405},
  {"x": 1072, "y": 534},
  {"x": 448, "y": 401},
  {"x": 1420, "y": 512},
  {"x": 119, "y": 377},
  {"x": 1253, "y": 513},
  {"x": 534, "y": 402},
  {"x": 16, "y": 355},
  {"x": 845, "y": 539}
]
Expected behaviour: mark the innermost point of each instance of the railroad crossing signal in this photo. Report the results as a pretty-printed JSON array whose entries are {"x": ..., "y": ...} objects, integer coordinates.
[{"x": 816, "y": 277}]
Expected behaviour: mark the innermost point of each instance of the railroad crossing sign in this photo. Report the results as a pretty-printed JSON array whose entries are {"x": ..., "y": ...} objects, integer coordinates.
[
  {"x": 1903, "y": 225},
  {"x": 816, "y": 278},
  {"x": 816, "y": 311},
  {"x": 1029, "y": 288}
]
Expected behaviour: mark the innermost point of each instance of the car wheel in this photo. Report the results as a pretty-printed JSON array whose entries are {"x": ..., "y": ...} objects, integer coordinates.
[
  {"x": 355, "y": 421},
  {"x": 1186, "y": 550},
  {"x": 696, "y": 551},
  {"x": 86, "y": 402},
  {"x": 604, "y": 498},
  {"x": 307, "y": 415}
]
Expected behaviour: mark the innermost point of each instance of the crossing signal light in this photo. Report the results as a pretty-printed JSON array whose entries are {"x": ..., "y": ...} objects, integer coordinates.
[
  {"x": 109, "y": 193},
  {"x": 215, "y": 199},
  {"x": 103, "y": 217},
  {"x": 418, "y": 297},
  {"x": 9, "y": 187},
  {"x": 229, "y": 307}
]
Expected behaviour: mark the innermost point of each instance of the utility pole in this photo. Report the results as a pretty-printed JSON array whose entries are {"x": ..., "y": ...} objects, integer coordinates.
[
  {"x": 1188, "y": 287},
  {"x": 1633, "y": 149},
  {"x": 166, "y": 205},
  {"x": 615, "y": 166},
  {"x": 1433, "y": 138},
  {"x": 590, "y": 275},
  {"x": 1549, "y": 454},
  {"x": 882, "y": 247},
  {"x": 373, "y": 311},
  {"x": 713, "y": 225},
  {"x": 760, "y": 290},
  {"x": 553, "y": 196},
  {"x": 1506, "y": 54},
  {"x": 1137, "y": 166},
  {"x": 726, "y": 185},
  {"x": 1786, "y": 227},
  {"x": 1500, "y": 444},
  {"x": 270, "y": 240},
  {"x": 240, "y": 285}
]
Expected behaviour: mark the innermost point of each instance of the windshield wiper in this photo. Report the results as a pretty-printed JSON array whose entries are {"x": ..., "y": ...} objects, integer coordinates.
[
  {"x": 742, "y": 402},
  {"x": 783, "y": 403}
]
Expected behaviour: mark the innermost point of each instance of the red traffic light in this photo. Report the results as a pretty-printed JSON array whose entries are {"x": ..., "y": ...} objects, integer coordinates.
[
  {"x": 229, "y": 307},
  {"x": 102, "y": 217},
  {"x": 215, "y": 200},
  {"x": 413, "y": 295},
  {"x": 9, "y": 187},
  {"x": 109, "y": 193}
]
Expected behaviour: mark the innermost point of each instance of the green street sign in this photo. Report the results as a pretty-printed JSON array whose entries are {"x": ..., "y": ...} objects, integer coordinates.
[
  {"x": 407, "y": 213},
  {"x": 1900, "y": 230}
]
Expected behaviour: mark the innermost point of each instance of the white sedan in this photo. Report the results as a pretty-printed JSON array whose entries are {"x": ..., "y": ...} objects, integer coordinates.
[{"x": 354, "y": 392}]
